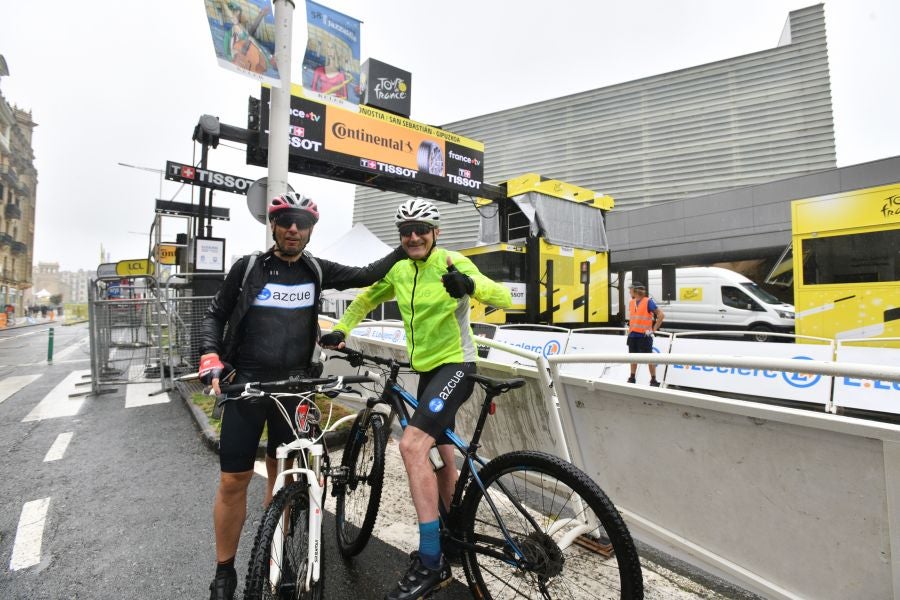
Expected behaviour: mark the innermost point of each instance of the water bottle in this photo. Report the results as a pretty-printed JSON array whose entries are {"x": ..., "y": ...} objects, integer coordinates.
[{"x": 434, "y": 456}]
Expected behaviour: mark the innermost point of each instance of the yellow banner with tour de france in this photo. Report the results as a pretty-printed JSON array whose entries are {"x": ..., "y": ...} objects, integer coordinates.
[{"x": 870, "y": 207}]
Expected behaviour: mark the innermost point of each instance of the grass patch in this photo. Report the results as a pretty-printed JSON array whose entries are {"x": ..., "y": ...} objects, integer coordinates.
[{"x": 206, "y": 404}]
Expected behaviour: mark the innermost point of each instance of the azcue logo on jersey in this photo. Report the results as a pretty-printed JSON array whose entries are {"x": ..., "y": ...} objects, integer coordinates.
[{"x": 291, "y": 297}]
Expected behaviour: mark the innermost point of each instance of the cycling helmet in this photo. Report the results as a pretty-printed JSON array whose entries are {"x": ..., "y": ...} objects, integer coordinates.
[
  {"x": 293, "y": 203},
  {"x": 418, "y": 210}
]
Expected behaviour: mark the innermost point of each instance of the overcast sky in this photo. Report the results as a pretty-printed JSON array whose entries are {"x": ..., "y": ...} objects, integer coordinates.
[{"x": 126, "y": 82}]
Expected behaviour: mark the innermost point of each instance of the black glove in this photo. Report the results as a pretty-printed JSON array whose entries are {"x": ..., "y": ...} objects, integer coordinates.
[
  {"x": 213, "y": 368},
  {"x": 457, "y": 284},
  {"x": 332, "y": 340}
]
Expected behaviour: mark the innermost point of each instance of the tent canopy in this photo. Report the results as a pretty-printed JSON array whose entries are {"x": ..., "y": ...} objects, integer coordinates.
[
  {"x": 43, "y": 293},
  {"x": 356, "y": 248}
]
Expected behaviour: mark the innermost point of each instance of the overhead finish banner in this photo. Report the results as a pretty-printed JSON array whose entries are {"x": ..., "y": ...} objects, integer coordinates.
[
  {"x": 243, "y": 35},
  {"x": 378, "y": 142},
  {"x": 331, "y": 62}
]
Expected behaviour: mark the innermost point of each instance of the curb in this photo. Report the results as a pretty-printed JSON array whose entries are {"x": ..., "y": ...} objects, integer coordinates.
[{"x": 333, "y": 439}]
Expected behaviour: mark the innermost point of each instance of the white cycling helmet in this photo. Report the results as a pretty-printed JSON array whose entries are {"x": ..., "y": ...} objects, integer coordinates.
[{"x": 419, "y": 211}]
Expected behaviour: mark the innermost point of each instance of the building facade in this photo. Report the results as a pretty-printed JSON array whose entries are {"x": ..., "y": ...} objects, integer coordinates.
[
  {"x": 697, "y": 131},
  {"x": 18, "y": 189},
  {"x": 50, "y": 281}
]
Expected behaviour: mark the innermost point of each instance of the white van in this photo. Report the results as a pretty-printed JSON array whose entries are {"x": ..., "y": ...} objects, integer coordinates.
[{"x": 713, "y": 298}]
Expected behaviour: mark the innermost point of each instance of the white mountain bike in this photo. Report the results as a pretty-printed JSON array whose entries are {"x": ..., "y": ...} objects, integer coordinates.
[{"x": 286, "y": 561}]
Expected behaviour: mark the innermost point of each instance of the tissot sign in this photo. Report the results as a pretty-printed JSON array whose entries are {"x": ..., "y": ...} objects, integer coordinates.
[
  {"x": 206, "y": 178},
  {"x": 381, "y": 143}
]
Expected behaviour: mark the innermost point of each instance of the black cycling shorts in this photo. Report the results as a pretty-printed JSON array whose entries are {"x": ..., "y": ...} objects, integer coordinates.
[
  {"x": 641, "y": 344},
  {"x": 242, "y": 425},
  {"x": 441, "y": 392}
]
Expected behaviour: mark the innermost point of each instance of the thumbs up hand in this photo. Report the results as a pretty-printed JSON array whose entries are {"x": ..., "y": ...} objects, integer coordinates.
[{"x": 457, "y": 284}]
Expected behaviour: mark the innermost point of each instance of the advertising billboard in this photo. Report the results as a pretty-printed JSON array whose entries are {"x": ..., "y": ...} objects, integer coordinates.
[{"x": 374, "y": 142}]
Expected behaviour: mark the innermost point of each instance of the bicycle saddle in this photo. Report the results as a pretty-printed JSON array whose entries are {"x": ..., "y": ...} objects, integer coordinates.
[{"x": 496, "y": 386}]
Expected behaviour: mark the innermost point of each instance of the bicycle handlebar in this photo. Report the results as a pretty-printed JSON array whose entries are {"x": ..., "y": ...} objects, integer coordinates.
[
  {"x": 318, "y": 384},
  {"x": 356, "y": 358}
]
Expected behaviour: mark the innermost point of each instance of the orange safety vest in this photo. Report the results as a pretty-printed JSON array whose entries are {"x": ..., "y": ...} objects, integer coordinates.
[{"x": 640, "y": 319}]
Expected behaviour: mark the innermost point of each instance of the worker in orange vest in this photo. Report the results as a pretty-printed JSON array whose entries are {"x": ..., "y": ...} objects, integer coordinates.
[{"x": 644, "y": 319}]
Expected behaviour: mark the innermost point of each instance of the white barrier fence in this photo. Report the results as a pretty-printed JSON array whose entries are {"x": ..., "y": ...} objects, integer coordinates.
[{"x": 788, "y": 503}]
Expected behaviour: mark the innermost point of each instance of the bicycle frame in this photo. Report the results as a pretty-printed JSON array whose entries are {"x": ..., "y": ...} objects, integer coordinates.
[{"x": 398, "y": 398}]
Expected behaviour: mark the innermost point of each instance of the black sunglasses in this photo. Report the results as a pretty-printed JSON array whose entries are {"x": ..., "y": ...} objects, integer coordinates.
[
  {"x": 420, "y": 229},
  {"x": 286, "y": 221}
]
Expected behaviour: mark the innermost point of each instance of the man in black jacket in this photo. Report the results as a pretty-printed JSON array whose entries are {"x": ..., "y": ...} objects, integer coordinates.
[{"x": 264, "y": 322}]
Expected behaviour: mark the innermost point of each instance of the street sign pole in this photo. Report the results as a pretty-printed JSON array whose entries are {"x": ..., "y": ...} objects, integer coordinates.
[{"x": 279, "y": 117}]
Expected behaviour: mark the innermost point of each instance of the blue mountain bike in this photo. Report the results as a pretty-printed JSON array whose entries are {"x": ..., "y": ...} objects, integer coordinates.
[{"x": 526, "y": 524}]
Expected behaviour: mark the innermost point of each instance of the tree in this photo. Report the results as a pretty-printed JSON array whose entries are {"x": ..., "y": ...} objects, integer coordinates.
[{"x": 56, "y": 299}]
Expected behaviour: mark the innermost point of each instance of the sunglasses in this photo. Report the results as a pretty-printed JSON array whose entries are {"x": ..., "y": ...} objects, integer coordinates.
[
  {"x": 287, "y": 220},
  {"x": 420, "y": 229}
]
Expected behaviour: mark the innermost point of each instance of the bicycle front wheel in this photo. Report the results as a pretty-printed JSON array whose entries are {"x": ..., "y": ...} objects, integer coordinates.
[
  {"x": 358, "y": 497},
  {"x": 568, "y": 540},
  {"x": 281, "y": 572}
]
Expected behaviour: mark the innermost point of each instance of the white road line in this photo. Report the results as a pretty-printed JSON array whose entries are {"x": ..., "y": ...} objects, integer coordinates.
[
  {"x": 70, "y": 350},
  {"x": 139, "y": 394},
  {"x": 58, "y": 448},
  {"x": 29, "y": 535},
  {"x": 11, "y": 385},
  {"x": 57, "y": 403}
]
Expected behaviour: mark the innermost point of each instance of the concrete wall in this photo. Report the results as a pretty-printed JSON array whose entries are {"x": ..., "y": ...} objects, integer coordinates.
[{"x": 790, "y": 503}]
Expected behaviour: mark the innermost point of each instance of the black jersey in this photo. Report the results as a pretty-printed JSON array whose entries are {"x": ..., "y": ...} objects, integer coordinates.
[{"x": 274, "y": 334}]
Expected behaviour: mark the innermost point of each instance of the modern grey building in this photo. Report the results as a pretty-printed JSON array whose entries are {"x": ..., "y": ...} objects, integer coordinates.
[{"x": 732, "y": 123}]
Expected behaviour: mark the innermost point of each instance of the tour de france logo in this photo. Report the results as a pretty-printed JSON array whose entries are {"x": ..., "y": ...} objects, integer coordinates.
[
  {"x": 801, "y": 380},
  {"x": 891, "y": 206}
]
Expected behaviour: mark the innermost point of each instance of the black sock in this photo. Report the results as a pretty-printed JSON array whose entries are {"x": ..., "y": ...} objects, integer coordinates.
[{"x": 225, "y": 566}]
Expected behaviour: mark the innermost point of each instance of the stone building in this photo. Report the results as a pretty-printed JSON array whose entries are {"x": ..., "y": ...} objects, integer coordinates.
[{"x": 18, "y": 190}]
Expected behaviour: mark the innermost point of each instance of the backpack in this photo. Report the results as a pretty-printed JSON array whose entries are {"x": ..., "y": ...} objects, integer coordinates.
[{"x": 250, "y": 260}]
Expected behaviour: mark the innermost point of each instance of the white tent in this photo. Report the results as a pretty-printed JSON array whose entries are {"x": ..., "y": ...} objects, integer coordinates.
[
  {"x": 43, "y": 294},
  {"x": 356, "y": 248}
]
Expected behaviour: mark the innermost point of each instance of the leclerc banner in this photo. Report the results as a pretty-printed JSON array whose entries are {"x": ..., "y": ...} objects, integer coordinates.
[
  {"x": 331, "y": 63},
  {"x": 243, "y": 35},
  {"x": 852, "y": 392},
  {"x": 803, "y": 387}
]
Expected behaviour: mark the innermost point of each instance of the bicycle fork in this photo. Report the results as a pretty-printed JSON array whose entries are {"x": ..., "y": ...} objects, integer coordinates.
[{"x": 312, "y": 453}]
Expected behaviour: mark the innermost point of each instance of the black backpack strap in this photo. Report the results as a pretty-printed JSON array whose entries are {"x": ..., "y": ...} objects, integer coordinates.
[{"x": 249, "y": 261}]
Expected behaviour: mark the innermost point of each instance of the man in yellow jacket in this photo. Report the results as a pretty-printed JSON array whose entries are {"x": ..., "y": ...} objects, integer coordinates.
[{"x": 432, "y": 288}]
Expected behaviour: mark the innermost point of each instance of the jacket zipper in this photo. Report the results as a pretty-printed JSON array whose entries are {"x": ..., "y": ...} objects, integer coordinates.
[{"x": 412, "y": 313}]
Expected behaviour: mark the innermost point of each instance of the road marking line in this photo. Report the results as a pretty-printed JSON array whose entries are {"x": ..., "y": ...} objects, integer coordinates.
[
  {"x": 58, "y": 448},
  {"x": 70, "y": 350},
  {"x": 29, "y": 535},
  {"x": 138, "y": 394},
  {"x": 57, "y": 403},
  {"x": 11, "y": 385}
]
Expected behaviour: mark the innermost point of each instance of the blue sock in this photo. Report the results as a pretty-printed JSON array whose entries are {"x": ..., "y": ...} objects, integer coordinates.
[{"x": 430, "y": 544}]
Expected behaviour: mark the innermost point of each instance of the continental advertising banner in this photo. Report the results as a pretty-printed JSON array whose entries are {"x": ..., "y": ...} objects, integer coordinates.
[{"x": 381, "y": 143}]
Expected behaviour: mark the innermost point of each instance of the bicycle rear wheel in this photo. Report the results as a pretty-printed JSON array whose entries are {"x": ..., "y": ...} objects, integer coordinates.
[
  {"x": 358, "y": 497},
  {"x": 575, "y": 543},
  {"x": 292, "y": 559}
]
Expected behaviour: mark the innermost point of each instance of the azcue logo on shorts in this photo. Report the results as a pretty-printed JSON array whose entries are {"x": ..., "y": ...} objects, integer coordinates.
[{"x": 436, "y": 405}]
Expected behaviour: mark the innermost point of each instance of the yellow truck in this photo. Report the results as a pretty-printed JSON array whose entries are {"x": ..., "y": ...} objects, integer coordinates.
[
  {"x": 546, "y": 241},
  {"x": 846, "y": 260}
]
